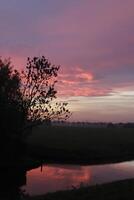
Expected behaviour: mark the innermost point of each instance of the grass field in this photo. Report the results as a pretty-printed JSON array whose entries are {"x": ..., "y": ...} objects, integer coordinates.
[
  {"x": 88, "y": 146},
  {"x": 79, "y": 144}
]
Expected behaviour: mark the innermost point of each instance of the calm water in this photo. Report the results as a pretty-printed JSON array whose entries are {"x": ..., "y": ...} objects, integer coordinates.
[{"x": 60, "y": 177}]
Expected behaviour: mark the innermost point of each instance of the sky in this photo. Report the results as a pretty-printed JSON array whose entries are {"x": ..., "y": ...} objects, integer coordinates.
[{"x": 92, "y": 41}]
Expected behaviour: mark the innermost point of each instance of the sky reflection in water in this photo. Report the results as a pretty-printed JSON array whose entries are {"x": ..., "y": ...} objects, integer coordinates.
[{"x": 61, "y": 177}]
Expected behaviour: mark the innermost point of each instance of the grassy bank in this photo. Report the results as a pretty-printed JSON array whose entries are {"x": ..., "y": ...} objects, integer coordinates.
[
  {"x": 82, "y": 145},
  {"x": 123, "y": 190}
]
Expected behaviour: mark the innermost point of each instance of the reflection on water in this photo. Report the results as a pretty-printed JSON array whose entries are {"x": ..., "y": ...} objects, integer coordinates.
[
  {"x": 60, "y": 177},
  {"x": 54, "y": 178}
]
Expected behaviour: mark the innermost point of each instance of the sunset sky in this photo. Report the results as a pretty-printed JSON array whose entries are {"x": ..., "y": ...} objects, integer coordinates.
[{"x": 92, "y": 41}]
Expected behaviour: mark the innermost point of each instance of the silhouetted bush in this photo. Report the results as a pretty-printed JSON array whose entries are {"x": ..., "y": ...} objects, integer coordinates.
[{"x": 26, "y": 100}]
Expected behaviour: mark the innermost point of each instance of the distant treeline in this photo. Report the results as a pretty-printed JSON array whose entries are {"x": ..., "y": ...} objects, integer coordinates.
[{"x": 94, "y": 124}]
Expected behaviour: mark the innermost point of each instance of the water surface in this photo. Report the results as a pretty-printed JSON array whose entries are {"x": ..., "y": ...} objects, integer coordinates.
[{"x": 62, "y": 177}]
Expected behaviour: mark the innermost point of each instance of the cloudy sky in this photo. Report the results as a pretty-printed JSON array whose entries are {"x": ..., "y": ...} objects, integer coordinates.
[{"x": 92, "y": 40}]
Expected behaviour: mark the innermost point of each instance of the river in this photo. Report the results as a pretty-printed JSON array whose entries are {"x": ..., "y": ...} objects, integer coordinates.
[{"x": 54, "y": 177}]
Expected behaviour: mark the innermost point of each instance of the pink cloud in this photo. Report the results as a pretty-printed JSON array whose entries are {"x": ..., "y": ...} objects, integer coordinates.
[
  {"x": 79, "y": 82},
  {"x": 96, "y": 36}
]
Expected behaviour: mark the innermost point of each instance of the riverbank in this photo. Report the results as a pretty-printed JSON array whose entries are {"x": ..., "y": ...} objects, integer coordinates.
[
  {"x": 77, "y": 145},
  {"x": 122, "y": 190}
]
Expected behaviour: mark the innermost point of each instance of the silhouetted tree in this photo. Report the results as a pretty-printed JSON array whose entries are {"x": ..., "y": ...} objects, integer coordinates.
[
  {"x": 26, "y": 100},
  {"x": 11, "y": 112},
  {"x": 38, "y": 91}
]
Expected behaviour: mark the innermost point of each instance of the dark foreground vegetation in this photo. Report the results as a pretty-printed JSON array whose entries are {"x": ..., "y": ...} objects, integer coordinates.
[
  {"x": 81, "y": 145},
  {"x": 120, "y": 190},
  {"x": 25, "y": 102},
  {"x": 72, "y": 145}
]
